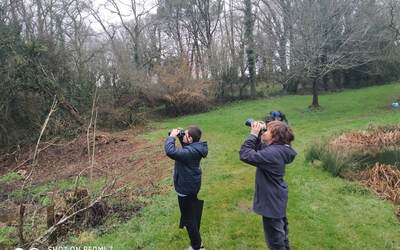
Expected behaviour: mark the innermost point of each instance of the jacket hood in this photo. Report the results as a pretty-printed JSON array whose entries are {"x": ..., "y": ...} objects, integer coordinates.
[
  {"x": 200, "y": 147},
  {"x": 288, "y": 153}
]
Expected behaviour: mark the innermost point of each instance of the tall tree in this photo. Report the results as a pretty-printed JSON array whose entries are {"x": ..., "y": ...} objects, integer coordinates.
[
  {"x": 251, "y": 57},
  {"x": 334, "y": 35}
]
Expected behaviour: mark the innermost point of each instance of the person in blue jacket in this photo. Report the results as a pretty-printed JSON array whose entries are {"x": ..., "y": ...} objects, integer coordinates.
[
  {"x": 187, "y": 178},
  {"x": 268, "y": 148}
]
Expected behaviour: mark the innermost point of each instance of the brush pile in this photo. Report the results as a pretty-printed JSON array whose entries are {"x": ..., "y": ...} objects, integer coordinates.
[
  {"x": 371, "y": 140},
  {"x": 383, "y": 180},
  {"x": 370, "y": 157}
]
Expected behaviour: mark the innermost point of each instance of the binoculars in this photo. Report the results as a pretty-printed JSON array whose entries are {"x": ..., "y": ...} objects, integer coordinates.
[
  {"x": 181, "y": 133},
  {"x": 272, "y": 116},
  {"x": 251, "y": 120}
]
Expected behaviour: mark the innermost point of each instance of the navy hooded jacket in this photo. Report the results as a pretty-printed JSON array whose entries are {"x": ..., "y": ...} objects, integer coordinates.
[
  {"x": 271, "y": 191},
  {"x": 187, "y": 171}
]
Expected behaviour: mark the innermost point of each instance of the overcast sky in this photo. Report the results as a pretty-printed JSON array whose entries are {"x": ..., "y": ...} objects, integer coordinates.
[{"x": 125, "y": 9}]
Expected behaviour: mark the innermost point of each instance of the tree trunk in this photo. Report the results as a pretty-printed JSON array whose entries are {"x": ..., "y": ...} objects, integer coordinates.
[
  {"x": 253, "y": 88},
  {"x": 21, "y": 224},
  {"x": 50, "y": 221},
  {"x": 249, "y": 26},
  {"x": 315, "y": 103}
]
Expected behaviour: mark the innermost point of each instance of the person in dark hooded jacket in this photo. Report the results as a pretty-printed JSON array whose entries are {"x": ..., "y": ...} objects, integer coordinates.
[
  {"x": 187, "y": 179},
  {"x": 269, "y": 155}
]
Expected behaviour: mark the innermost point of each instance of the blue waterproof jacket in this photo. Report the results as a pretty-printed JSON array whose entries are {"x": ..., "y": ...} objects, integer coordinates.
[
  {"x": 271, "y": 190},
  {"x": 187, "y": 171}
]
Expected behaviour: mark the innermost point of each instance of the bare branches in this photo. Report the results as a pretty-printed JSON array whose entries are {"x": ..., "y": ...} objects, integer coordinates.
[
  {"x": 33, "y": 165},
  {"x": 41, "y": 239},
  {"x": 94, "y": 104},
  {"x": 52, "y": 110},
  {"x": 94, "y": 144},
  {"x": 34, "y": 162},
  {"x": 395, "y": 27}
]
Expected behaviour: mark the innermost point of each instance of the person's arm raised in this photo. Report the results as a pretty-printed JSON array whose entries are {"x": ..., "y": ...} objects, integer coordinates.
[{"x": 178, "y": 154}]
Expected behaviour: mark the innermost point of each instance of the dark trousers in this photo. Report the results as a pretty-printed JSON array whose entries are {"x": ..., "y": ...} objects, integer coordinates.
[
  {"x": 191, "y": 209},
  {"x": 276, "y": 233}
]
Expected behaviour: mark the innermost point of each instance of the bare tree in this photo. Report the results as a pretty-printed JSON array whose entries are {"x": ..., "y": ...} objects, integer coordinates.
[
  {"x": 334, "y": 35},
  {"x": 276, "y": 19}
]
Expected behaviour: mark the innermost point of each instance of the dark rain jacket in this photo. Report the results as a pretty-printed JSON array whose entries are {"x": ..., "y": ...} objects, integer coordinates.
[
  {"x": 271, "y": 191},
  {"x": 187, "y": 171}
]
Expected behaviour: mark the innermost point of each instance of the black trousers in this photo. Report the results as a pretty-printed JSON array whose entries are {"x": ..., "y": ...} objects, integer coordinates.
[
  {"x": 191, "y": 210},
  {"x": 276, "y": 233}
]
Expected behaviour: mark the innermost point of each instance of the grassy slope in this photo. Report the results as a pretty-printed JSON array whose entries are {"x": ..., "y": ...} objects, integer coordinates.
[{"x": 324, "y": 212}]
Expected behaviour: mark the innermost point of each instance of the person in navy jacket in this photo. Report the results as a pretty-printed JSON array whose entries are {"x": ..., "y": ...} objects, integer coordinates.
[
  {"x": 187, "y": 179},
  {"x": 268, "y": 148}
]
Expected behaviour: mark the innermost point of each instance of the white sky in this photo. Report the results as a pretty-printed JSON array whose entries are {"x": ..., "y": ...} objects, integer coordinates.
[{"x": 124, "y": 6}]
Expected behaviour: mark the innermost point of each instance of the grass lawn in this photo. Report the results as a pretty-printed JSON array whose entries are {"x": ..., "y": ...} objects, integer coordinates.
[{"x": 324, "y": 212}]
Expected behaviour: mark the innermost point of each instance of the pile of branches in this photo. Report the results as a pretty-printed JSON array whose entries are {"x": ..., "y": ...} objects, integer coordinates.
[
  {"x": 370, "y": 157},
  {"x": 372, "y": 140},
  {"x": 383, "y": 180}
]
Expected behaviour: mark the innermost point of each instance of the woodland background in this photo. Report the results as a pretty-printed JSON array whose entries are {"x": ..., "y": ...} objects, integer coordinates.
[{"x": 173, "y": 57}]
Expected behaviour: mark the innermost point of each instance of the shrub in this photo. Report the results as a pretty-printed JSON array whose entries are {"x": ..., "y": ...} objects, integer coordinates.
[
  {"x": 129, "y": 111},
  {"x": 357, "y": 150},
  {"x": 336, "y": 162},
  {"x": 179, "y": 91},
  {"x": 265, "y": 89},
  {"x": 119, "y": 118},
  {"x": 185, "y": 102}
]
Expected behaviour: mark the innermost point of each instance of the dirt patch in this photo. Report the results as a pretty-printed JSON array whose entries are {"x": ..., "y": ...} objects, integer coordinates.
[
  {"x": 8, "y": 217},
  {"x": 121, "y": 154},
  {"x": 245, "y": 206},
  {"x": 124, "y": 156}
]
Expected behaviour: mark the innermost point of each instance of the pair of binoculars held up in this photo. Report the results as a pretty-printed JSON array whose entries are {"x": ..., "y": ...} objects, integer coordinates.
[
  {"x": 250, "y": 121},
  {"x": 181, "y": 133}
]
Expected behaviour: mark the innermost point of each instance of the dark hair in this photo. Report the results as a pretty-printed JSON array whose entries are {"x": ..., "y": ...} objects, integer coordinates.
[
  {"x": 195, "y": 133},
  {"x": 280, "y": 132}
]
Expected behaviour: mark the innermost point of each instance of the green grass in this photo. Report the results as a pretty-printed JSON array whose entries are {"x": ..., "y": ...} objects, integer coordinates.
[
  {"x": 10, "y": 177},
  {"x": 324, "y": 212},
  {"x": 38, "y": 192},
  {"x": 7, "y": 237}
]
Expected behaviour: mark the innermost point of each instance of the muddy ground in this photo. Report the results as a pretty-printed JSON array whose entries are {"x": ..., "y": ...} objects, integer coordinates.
[{"x": 123, "y": 156}]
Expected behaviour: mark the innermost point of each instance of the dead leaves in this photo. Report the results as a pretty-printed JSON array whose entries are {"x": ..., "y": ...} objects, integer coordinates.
[
  {"x": 383, "y": 180},
  {"x": 373, "y": 140}
]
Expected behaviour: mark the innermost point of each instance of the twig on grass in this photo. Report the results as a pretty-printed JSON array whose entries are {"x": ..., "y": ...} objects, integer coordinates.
[{"x": 41, "y": 239}]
